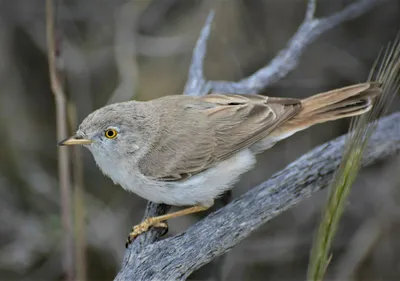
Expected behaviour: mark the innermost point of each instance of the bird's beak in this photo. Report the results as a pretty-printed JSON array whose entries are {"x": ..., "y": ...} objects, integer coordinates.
[{"x": 74, "y": 140}]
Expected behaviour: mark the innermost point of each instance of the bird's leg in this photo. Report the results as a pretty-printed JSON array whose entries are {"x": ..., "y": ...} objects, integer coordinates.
[{"x": 160, "y": 221}]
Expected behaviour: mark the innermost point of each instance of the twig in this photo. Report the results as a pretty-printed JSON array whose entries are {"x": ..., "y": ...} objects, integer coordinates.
[
  {"x": 311, "y": 9},
  {"x": 177, "y": 257},
  {"x": 62, "y": 131},
  {"x": 196, "y": 84},
  {"x": 286, "y": 61}
]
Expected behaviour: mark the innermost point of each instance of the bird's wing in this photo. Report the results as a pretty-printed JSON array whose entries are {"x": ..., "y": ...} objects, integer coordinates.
[{"x": 212, "y": 129}]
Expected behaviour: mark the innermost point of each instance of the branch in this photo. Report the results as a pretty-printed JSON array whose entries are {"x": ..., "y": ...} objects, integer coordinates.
[
  {"x": 196, "y": 84},
  {"x": 175, "y": 258},
  {"x": 286, "y": 61}
]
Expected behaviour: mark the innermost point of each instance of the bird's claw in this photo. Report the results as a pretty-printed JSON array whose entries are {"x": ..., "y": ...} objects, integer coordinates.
[{"x": 143, "y": 227}]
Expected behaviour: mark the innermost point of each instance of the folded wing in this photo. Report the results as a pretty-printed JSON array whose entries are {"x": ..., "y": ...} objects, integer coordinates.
[{"x": 211, "y": 129}]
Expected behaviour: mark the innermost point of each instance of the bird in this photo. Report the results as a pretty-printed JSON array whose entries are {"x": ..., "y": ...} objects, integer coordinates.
[{"x": 187, "y": 150}]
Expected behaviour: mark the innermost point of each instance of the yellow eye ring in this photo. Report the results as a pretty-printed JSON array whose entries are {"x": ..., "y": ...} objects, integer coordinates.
[{"x": 111, "y": 133}]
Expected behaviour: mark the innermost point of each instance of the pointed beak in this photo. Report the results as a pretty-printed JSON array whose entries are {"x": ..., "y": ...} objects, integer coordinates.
[{"x": 74, "y": 140}]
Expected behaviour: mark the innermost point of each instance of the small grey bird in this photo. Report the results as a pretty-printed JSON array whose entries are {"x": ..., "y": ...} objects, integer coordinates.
[{"x": 186, "y": 151}]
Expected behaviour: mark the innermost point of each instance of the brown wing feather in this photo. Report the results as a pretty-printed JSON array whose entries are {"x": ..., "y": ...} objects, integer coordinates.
[
  {"x": 211, "y": 129},
  {"x": 183, "y": 147},
  {"x": 243, "y": 120}
]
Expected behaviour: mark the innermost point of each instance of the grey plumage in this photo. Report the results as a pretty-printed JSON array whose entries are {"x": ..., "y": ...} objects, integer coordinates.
[{"x": 183, "y": 150}]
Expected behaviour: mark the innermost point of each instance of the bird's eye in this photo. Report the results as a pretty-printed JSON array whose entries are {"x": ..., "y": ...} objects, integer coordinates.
[{"x": 111, "y": 133}]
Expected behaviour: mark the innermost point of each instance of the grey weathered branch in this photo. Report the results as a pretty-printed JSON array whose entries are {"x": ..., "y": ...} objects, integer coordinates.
[
  {"x": 177, "y": 257},
  {"x": 282, "y": 64}
]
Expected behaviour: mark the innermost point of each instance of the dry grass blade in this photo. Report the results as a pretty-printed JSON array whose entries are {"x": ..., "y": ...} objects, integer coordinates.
[
  {"x": 361, "y": 129},
  {"x": 62, "y": 131},
  {"x": 78, "y": 201}
]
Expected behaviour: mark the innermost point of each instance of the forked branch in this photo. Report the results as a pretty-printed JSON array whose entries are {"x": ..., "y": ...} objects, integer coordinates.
[{"x": 285, "y": 61}]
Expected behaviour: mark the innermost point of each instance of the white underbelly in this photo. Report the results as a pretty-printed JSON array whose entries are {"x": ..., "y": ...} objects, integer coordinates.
[{"x": 202, "y": 188}]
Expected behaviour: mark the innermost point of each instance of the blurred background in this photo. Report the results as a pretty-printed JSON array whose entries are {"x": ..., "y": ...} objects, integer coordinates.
[{"x": 118, "y": 50}]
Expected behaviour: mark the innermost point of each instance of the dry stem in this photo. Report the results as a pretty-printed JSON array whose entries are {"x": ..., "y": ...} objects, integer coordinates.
[{"x": 62, "y": 131}]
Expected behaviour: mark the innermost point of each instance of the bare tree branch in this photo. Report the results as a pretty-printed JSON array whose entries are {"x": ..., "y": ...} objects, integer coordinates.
[
  {"x": 286, "y": 61},
  {"x": 196, "y": 84},
  {"x": 311, "y": 8},
  {"x": 177, "y": 257}
]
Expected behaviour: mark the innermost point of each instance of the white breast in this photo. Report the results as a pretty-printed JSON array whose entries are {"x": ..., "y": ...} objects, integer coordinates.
[{"x": 202, "y": 188}]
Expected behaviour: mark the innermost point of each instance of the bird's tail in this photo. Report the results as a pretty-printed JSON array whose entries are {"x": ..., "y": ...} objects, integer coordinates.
[{"x": 336, "y": 104}]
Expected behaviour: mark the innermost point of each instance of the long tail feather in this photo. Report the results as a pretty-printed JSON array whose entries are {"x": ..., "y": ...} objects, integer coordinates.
[{"x": 336, "y": 104}]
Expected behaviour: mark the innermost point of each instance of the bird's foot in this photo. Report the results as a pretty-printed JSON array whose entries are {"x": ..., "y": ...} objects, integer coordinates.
[{"x": 145, "y": 226}]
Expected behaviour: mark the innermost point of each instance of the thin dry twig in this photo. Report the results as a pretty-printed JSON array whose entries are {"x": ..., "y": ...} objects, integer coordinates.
[
  {"x": 286, "y": 60},
  {"x": 62, "y": 131},
  {"x": 196, "y": 84}
]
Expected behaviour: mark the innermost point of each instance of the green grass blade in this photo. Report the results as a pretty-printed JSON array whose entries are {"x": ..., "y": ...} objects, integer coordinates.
[{"x": 387, "y": 73}]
